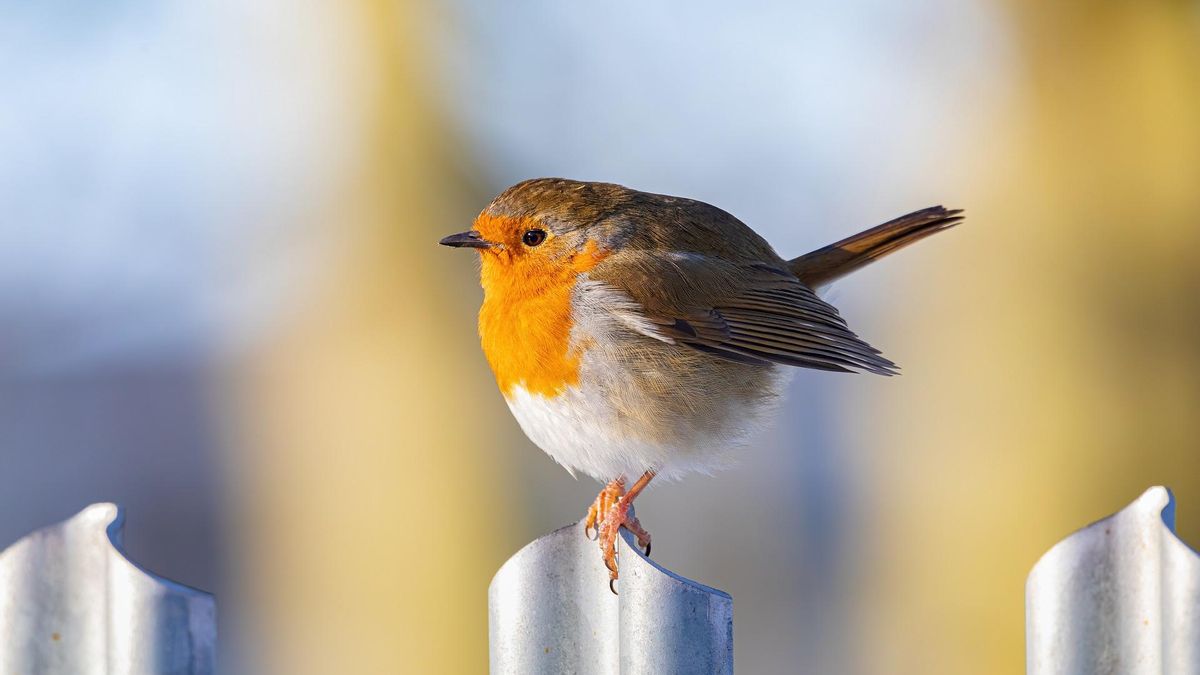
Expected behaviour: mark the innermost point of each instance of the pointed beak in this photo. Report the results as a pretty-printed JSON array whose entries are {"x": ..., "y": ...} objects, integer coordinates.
[{"x": 470, "y": 239}]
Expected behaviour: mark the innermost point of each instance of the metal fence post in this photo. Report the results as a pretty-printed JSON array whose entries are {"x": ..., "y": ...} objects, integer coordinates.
[
  {"x": 1119, "y": 596},
  {"x": 550, "y": 611},
  {"x": 71, "y": 603}
]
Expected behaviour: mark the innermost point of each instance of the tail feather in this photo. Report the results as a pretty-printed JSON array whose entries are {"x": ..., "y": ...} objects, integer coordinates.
[{"x": 832, "y": 262}]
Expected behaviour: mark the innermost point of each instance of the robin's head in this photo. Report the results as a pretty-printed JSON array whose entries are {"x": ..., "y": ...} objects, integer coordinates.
[
  {"x": 547, "y": 227},
  {"x": 552, "y": 221}
]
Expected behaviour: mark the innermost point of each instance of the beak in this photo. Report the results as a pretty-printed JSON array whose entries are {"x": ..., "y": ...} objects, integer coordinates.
[{"x": 470, "y": 238}]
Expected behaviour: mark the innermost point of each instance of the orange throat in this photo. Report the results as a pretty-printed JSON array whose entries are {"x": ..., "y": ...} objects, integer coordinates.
[{"x": 525, "y": 322}]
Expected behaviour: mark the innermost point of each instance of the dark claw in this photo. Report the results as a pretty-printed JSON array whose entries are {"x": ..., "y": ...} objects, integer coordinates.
[
  {"x": 611, "y": 568},
  {"x": 647, "y": 549},
  {"x": 587, "y": 528},
  {"x": 611, "y": 587}
]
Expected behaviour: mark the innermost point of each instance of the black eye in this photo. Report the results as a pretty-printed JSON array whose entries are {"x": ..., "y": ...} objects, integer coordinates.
[{"x": 533, "y": 237}]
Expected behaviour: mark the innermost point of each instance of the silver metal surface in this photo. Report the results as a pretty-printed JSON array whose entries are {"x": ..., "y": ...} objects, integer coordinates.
[
  {"x": 1119, "y": 596},
  {"x": 72, "y": 603},
  {"x": 550, "y": 611}
]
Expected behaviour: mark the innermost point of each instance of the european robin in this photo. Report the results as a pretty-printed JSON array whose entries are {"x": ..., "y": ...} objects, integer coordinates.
[{"x": 637, "y": 334}]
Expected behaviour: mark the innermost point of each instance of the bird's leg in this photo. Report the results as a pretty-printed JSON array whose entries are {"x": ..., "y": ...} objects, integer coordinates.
[
  {"x": 604, "y": 501},
  {"x": 618, "y": 516}
]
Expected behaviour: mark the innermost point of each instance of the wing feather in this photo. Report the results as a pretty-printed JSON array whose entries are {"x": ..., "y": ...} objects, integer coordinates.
[{"x": 753, "y": 313}]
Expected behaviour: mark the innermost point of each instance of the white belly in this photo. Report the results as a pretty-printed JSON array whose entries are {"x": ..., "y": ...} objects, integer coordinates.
[{"x": 582, "y": 431}]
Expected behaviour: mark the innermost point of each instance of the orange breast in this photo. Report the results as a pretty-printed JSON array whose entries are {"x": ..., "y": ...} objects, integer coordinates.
[{"x": 525, "y": 322}]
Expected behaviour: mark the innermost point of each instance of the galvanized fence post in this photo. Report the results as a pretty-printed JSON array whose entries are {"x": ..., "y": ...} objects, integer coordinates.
[
  {"x": 1119, "y": 596},
  {"x": 71, "y": 603},
  {"x": 550, "y": 611}
]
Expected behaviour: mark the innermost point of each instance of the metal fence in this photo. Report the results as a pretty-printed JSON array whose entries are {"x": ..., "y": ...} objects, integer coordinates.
[
  {"x": 1119, "y": 596},
  {"x": 71, "y": 603}
]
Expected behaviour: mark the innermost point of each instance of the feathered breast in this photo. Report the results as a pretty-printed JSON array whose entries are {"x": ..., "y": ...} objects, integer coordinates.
[{"x": 526, "y": 320}]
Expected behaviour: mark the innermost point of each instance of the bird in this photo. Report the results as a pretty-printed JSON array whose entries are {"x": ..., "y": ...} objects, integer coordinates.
[{"x": 637, "y": 336}]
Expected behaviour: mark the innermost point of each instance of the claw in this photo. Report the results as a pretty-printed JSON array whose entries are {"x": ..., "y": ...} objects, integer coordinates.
[
  {"x": 609, "y": 513},
  {"x": 643, "y": 537}
]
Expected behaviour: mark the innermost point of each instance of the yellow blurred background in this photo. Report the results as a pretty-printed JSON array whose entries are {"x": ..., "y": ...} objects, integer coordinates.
[{"x": 222, "y": 303}]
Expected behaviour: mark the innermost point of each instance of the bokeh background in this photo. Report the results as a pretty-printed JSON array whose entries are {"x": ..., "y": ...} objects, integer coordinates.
[{"x": 222, "y": 303}]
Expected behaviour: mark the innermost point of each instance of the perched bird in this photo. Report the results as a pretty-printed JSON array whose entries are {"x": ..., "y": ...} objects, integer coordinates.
[{"x": 636, "y": 335}]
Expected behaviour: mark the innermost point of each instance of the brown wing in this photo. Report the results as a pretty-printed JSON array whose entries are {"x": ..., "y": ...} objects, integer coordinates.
[{"x": 755, "y": 313}]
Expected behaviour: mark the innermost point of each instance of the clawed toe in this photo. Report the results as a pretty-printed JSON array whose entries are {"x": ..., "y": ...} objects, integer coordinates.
[
  {"x": 643, "y": 537},
  {"x": 608, "y": 514},
  {"x": 599, "y": 509},
  {"x": 616, "y": 518},
  {"x": 590, "y": 526}
]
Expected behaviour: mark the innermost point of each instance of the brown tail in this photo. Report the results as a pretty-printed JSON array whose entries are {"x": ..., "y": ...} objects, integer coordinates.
[{"x": 828, "y": 264}]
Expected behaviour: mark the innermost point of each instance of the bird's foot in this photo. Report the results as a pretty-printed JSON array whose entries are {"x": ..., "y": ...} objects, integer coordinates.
[
  {"x": 609, "y": 513},
  {"x": 599, "y": 508},
  {"x": 618, "y": 516}
]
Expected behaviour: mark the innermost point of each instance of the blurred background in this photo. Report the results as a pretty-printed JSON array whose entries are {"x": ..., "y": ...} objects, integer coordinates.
[{"x": 222, "y": 303}]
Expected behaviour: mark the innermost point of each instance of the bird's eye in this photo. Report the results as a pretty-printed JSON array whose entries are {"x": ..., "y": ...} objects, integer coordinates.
[{"x": 533, "y": 237}]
